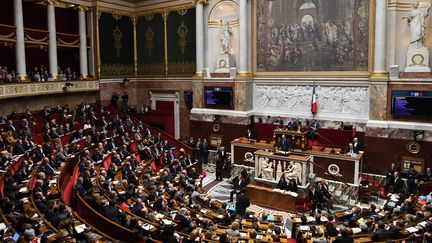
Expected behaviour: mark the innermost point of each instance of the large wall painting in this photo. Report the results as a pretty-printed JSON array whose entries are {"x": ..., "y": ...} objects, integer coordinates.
[{"x": 312, "y": 35}]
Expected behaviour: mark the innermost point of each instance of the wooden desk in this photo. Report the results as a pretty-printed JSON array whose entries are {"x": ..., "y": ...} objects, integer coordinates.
[
  {"x": 266, "y": 197},
  {"x": 349, "y": 167},
  {"x": 299, "y": 140}
]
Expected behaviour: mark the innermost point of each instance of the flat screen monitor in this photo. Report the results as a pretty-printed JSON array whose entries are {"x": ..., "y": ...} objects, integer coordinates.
[
  {"x": 218, "y": 97},
  {"x": 412, "y": 103}
]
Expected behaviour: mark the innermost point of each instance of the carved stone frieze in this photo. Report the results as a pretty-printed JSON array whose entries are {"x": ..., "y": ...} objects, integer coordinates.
[
  {"x": 44, "y": 88},
  {"x": 332, "y": 101}
]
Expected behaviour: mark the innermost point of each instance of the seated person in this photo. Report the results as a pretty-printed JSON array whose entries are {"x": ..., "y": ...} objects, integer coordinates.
[
  {"x": 284, "y": 144},
  {"x": 249, "y": 134},
  {"x": 282, "y": 184}
]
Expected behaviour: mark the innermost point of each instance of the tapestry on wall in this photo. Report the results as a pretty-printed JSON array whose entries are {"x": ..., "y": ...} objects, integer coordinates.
[{"x": 312, "y": 35}]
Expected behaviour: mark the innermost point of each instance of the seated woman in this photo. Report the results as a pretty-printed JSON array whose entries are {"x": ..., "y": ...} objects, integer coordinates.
[
  {"x": 292, "y": 186},
  {"x": 282, "y": 184}
]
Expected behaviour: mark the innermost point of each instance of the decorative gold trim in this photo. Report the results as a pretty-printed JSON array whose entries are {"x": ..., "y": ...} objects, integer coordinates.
[
  {"x": 244, "y": 75},
  {"x": 199, "y": 75},
  {"x": 167, "y": 9},
  {"x": 217, "y": 24},
  {"x": 165, "y": 18},
  {"x": 81, "y": 8},
  {"x": 295, "y": 74},
  {"x": 182, "y": 31},
  {"x": 134, "y": 22},
  {"x": 98, "y": 15},
  {"x": 380, "y": 75},
  {"x": 195, "y": 2}
]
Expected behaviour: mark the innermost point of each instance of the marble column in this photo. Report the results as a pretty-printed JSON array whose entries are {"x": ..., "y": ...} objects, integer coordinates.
[
  {"x": 243, "y": 33},
  {"x": 19, "y": 45},
  {"x": 379, "y": 69},
  {"x": 379, "y": 78},
  {"x": 52, "y": 48},
  {"x": 83, "y": 42},
  {"x": 199, "y": 38}
]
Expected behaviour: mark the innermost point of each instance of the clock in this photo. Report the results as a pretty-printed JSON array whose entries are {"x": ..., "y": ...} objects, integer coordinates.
[
  {"x": 413, "y": 147},
  {"x": 216, "y": 127},
  {"x": 417, "y": 59}
]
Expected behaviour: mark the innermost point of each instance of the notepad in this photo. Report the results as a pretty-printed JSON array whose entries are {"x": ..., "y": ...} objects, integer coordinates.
[
  {"x": 412, "y": 230},
  {"x": 147, "y": 227},
  {"x": 166, "y": 221},
  {"x": 23, "y": 190},
  {"x": 80, "y": 228},
  {"x": 304, "y": 227},
  {"x": 356, "y": 230}
]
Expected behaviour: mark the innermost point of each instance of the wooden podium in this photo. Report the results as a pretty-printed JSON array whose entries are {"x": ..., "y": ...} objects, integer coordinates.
[{"x": 299, "y": 139}]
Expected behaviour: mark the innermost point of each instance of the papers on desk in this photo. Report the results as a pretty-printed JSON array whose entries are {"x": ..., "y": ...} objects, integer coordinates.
[
  {"x": 310, "y": 219},
  {"x": 166, "y": 221},
  {"x": 2, "y": 226},
  {"x": 80, "y": 228},
  {"x": 356, "y": 230},
  {"x": 361, "y": 221},
  {"x": 391, "y": 204},
  {"x": 394, "y": 197},
  {"x": 147, "y": 227},
  {"x": 423, "y": 224},
  {"x": 24, "y": 200},
  {"x": 259, "y": 237},
  {"x": 304, "y": 228},
  {"x": 220, "y": 216},
  {"x": 53, "y": 181},
  {"x": 23, "y": 190},
  {"x": 412, "y": 230},
  {"x": 243, "y": 234},
  {"x": 159, "y": 216}
]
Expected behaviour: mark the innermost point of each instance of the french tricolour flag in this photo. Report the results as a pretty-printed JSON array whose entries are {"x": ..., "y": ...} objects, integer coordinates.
[{"x": 314, "y": 106}]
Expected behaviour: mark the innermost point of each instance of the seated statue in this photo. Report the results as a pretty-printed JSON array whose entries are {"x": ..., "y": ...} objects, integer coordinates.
[
  {"x": 293, "y": 171},
  {"x": 267, "y": 170}
]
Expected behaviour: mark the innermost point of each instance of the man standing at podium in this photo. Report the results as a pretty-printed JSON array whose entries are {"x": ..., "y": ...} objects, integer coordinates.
[{"x": 284, "y": 144}]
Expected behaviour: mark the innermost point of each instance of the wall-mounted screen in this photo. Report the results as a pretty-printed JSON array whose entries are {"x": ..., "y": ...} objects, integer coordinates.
[
  {"x": 411, "y": 103},
  {"x": 218, "y": 97}
]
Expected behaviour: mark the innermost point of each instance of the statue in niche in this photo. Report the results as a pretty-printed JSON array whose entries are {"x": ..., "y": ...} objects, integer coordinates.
[
  {"x": 267, "y": 170},
  {"x": 225, "y": 37},
  {"x": 416, "y": 21},
  {"x": 293, "y": 171}
]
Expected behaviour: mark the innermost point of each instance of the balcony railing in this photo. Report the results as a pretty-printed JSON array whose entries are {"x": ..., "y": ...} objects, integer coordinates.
[{"x": 46, "y": 88}]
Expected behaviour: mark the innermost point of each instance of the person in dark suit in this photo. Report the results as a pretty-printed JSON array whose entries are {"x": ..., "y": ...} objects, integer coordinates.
[
  {"x": 349, "y": 149},
  {"x": 381, "y": 234},
  {"x": 314, "y": 196},
  {"x": 346, "y": 236},
  {"x": 398, "y": 184},
  {"x": 239, "y": 185},
  {"x": 390, "y": 177},
  {"x": 427, "y": 175},
  {"x": 411, "y": 180},
  {"x": 204, "y": 151},
  {"x": 242, "y": 203},
  {"x": 19, "y": 148},
  {"x": 357, "y": 146},
  {"x": 249, "y": 134},
  {"x": 284, "y": 144},
  {"x": 79, "y": 186},
  {"x": 221, "y": 158}
]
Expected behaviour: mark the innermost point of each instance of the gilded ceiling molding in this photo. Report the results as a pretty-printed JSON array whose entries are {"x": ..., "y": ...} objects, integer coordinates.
[
  {"x": 195, "y": 2},
  {"x": 180, "y": 8}
]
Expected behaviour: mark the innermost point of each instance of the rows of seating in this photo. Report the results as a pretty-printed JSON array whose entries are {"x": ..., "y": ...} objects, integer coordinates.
[{"x": 22, "y": 184}]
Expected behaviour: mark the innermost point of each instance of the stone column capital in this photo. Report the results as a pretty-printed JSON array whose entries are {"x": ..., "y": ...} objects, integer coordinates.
[
  {"x": 203, "y": 2},
  {"x": 81, "y": 8}
]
